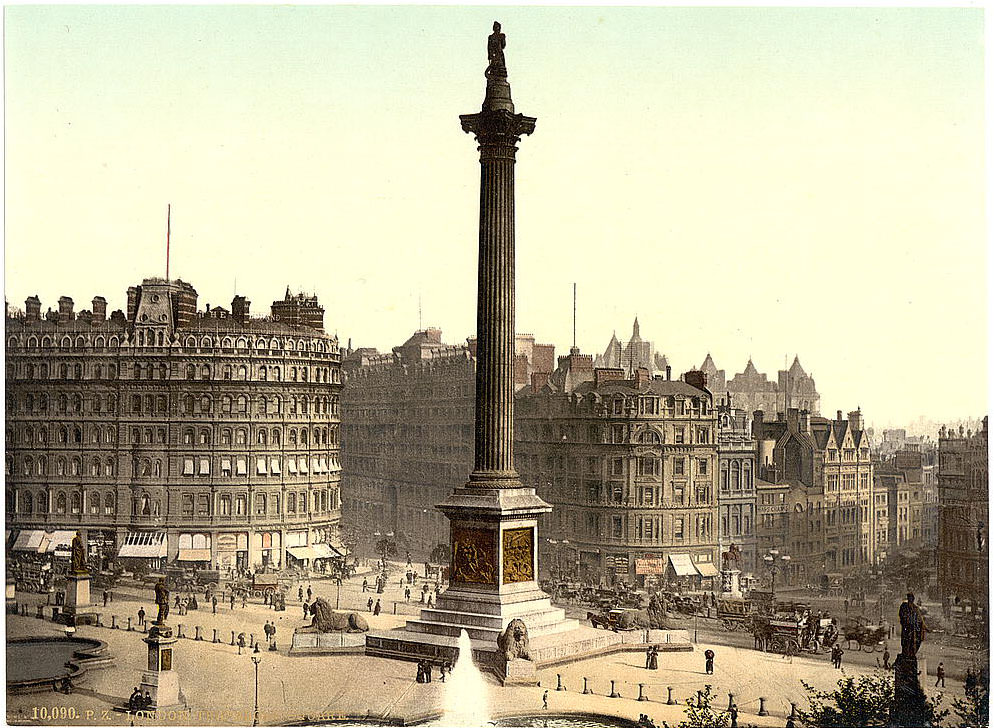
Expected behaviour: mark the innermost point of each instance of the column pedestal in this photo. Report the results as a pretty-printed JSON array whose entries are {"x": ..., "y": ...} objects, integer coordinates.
[
  {"x": 909, "y": 708},
  {"x": 160, "y": 680},
  {"x": 730, "y": 584}
]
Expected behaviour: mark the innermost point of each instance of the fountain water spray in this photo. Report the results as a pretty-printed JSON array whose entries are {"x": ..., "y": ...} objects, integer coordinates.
[{"x": 465, "y": 691}]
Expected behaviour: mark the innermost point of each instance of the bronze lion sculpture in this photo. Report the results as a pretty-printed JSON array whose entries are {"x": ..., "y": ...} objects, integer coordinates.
[
  {"x": 513, "y": 642},
  {"x": 327, "y": 619}
]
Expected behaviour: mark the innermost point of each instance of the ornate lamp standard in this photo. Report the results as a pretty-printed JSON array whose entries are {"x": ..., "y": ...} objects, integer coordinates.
[
  {"x": 256, "y": 661},
  {"x": 775, "y": 563}
]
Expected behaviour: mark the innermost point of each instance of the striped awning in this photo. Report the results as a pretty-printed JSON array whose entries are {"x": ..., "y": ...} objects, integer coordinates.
[
  {"x": 61, "y": 541},
  {"x": 144, "y": 545},
  {"x": 35, "y": 541},
  {"x": 706, "y": 569},
  {"x": 301, "y": 552},
  {"x": 682, "y": 565},
  {"x": 194, "y": 555},
  {"x": 323, "y": 551}
]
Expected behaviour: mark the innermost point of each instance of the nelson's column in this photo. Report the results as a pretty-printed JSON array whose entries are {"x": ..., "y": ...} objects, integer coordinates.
[{"x": 493, "y": 518}]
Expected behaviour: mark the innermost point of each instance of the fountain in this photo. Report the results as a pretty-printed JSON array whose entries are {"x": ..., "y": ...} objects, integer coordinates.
[{"x": 465, "y": 691}]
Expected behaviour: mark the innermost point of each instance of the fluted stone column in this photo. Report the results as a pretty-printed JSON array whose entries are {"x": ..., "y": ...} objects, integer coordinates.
[{"x": 497, "y": 129}]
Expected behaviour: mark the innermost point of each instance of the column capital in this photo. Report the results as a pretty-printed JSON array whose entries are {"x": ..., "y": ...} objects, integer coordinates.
[{"x": 497, "y": 127}]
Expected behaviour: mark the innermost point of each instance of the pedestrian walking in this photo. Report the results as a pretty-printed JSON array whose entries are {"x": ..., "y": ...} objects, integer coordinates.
[
  {"x": 545, "y": 700},
  {"x": 654, "y": 658},
  {"x": 376, "y": 609},
  {"x": 106, "y": 596},
  {"x": 308, "y": 592},
  {"x": 940, "y": 676},
  {"x": 306, "y": 610},
  {"x": 427, "y": 671},
  {"x": 244, "y": 600},
  {"x": 300, "y": 593},
  {"x": 429, "y": 601},
  {"x": 214, "y": 604},
  {"x": 369, "y": 605},
  {"x": 231, "y": 600},
  {"x": 365, "y": 585},
  {"x": 407, "y": 594},
  {"x": 141, "y": 616},
  {"x": 709, "y": 662},
  {"x": 733, "y": 713},
  {"x": 422, "y": 597},
  {"x": 886, "y": 659},
  {"x": 241, "y": 642},
  {"x": 648, "y": 656}
]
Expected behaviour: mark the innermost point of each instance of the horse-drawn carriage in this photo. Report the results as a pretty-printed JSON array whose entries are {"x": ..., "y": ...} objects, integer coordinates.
[
  {"x": 617, "y": 620},
  {"x": 868, "y": 637},
  {"x": 789, "y": 634},
  {"x": 735, "y": 614}
]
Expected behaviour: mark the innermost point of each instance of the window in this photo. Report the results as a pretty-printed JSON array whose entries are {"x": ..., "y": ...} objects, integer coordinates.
[
  {"x": 187, "y": 466},
  {"x": 240, "y": 505},
  {"x": 702, "y": 466},
  {"x": 678, "y": 466},
  {"x": 616, "y": 526},
  {"x": 260, "y": 466},
  {"x": 187, "y": 504},
  {"x": 205, "y": 466},
  {"x": 241, "y": 467},
  {"x": 225, "y": 505},
  {"x": 678, "y": 528},
  {"x": 226, "y": 467},
  {"x": 649, "y": 466},
  {"x": 260, "y": 504},
  {"x": 678, "y": 435},
  {"x": 617, "y": 466}
]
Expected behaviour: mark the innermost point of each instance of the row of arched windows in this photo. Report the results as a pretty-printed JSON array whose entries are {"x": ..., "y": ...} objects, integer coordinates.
[{"x": 96, "y": 503}]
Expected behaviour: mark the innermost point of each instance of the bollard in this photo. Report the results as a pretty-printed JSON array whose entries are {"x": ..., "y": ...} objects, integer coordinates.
[
  {"x": 41, "y": 611},
  {"x": 614, "y": 693},
  {"x": 232, "y": 638},
  {"x": 762, "y": 706},
  {"x": 100, "y": 620},
  {"x": 113, "y": 621},
  {"x": 130, "y": 628},
  {"x": 586, "y": 690},
  {"x": 145, "y": 627},
  {"x": 698, "y": 698},
  {"x": 215, "y": 640},
  {"x": 731, "y": 702},
  {"x": 559, "y": 682},
  {"x": 179, "y": 630},
  {"x": 197, "y": 635},
  {"x": 395, "y": 607},
  {"x": 641, "y": 697},
  {"x": 669, "y": 695},
  {"x": 251, "y": 641}
]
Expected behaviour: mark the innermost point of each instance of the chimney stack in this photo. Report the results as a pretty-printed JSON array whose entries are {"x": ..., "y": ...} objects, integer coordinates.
[
  {"x": 856, "y": 420},
  {"x": 132, "y": 302},
  {"x": 65, "y": 309},
  {"x": 838, "y": 415},
  {"x": 240, "y": 309},
  {"x": 99, "y": 308},
  {"x": 696, "y": 378},
  {"x": 32, "y": 308},
  {"x": 805, "y": 423},
  {"x": 669, "y": 372},
  {"x": 793, "y": 419},
  {"x": 641, "y": 377}
]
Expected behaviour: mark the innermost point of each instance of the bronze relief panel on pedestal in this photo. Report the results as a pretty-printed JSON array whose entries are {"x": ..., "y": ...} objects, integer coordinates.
[
  {"x": 519, "y": 562},
  {"x": 474, "y": 556}
]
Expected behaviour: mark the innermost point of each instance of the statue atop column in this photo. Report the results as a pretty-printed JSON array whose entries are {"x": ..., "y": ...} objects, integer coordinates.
[
  {"x": 912, "y": 627},
  {"x": 495, "y": 53},
  {"x": 78, "y": 555}
]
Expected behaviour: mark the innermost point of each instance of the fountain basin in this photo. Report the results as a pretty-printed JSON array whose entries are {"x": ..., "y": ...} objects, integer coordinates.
[{"x": 36, "y": 664}]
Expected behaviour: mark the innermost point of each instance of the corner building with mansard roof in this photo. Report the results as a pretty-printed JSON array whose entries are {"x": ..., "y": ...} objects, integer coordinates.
[{"x": 172, "y": 434}]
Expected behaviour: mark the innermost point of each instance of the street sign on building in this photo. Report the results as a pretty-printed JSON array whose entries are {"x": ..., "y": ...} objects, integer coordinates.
[{"x": 650, "y": 565}]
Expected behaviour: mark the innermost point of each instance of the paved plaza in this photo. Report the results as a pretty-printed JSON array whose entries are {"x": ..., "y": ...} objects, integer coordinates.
[{"x": 218, "y": 683}]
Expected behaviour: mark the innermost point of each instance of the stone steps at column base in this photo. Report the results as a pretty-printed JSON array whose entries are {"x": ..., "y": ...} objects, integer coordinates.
[
  {"x": 536, "y": 619},
  {"x": 555, "y": 625}
]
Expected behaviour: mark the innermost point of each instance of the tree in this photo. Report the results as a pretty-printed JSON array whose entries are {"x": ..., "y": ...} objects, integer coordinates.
[
  {"x": 700, "y": 714},
  {"x": 974, "y": 711},
  {"x": 856, "y": 702},
  {"x": 386, "y": 548},
  {"x": 440, "y": 554}
]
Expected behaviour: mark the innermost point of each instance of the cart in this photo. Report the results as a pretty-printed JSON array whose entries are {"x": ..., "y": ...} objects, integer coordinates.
[{"x": 735, "y": 614}]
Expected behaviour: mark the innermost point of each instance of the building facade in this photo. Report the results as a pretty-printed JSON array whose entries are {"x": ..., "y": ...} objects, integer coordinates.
[
  {"x": 167, "y": 433},
  {"x": 630, "y": 466},
  {"x": 407, "y": 434},
  {"x": 752, "y": 390},
  {"x": 633, "y": 354},
  {"x": 737, "y": 516},
  {"x": 964, "y": 536},
  {"x": 829, "y": 471}
]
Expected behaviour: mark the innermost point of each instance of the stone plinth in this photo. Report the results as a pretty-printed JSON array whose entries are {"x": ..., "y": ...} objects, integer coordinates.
[
  {"x": 74, "y": 610},
  {"x": 730, "y": 585},
  {"x": 11, "y": 595},
  {"x": 160, "y": 679},
  {"x": 909, "y": 709}
]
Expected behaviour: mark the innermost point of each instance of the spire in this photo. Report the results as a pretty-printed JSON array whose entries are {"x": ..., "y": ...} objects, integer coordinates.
[
  {"x": 708, "y": 365},
  {"x": 796, "y": 370},
  {"x": 635, "y": 330}
]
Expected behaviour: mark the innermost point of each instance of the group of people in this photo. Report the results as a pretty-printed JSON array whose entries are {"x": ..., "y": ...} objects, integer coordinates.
[
  {"x": 652, "y": 658},
  {"x": 137, "y": 701},
  {"x": 374, "y": 609},
  {"x": 270, "y": 630},
  {"x": 424, "y": 671},
  {"x": 184, "y": 605}
]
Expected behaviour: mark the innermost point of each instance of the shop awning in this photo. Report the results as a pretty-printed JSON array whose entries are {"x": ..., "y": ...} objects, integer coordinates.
[
  {"x": 61, "y": 541},
  {"x": 706, "y": 569},
  {"x": 144, "y": 545},
  {"x": 30, "y": 541},
  {"x": 324, "y": 551},
  {"x": 194, "y": 555},
  {"x": 301, "y": 552},
  {"x": 682, "y": 565}
]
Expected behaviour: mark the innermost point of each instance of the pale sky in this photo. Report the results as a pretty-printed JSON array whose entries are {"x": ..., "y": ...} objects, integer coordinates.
[{"x": 749, "y": 181}]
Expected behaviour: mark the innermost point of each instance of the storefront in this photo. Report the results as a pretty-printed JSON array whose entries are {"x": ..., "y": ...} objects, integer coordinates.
[
  {"x": 32, "y": 542},
  {"x": 232, "y": 551},
  {"x": 148, "y": 547},
  {"x": 194, "y": 550}
]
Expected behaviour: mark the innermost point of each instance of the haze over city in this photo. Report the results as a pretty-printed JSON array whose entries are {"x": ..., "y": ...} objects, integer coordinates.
[{"x": 757, "y": 182}]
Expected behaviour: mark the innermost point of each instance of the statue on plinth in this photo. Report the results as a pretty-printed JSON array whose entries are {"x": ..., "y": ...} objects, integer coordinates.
[
  {"x": 513, "y": 643},
  {"x": 161, "y": 601},
  {"x": 78, "y": 555},
  {"x": 495, "y": 53},
  {"x": 732, "y": 558},
  {"x": 912, "y": 627}
]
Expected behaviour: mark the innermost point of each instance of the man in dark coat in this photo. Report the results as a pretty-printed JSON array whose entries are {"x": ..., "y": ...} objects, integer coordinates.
[{"x": 709, "y": 662}]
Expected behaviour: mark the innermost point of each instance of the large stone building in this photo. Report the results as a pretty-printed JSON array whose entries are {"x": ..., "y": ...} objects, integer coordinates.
[
  {"x": 752, "y": 390},
  {"x": 829, "y": 471},
  {"x": 964, "y": 529},
  {"x": 167, "y": 433},
  {"x": 630, "y": 465},
  {"x": 407, "y": 434},
  {"x": 633, "y": 354},
  {"x": 737, "y": 517}
]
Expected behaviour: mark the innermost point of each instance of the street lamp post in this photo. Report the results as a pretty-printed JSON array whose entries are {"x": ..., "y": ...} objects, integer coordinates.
[
  {"x": 775, "y": 562},
  {"x": 256, "y": 661}
]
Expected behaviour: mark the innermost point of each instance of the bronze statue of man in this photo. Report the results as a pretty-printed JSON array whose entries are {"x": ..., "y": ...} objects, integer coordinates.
[
  {"x": 495, "y": 52},
  {"x": 78, "y": 555},
  {"x": 912, "y": 627},
  {"x": 161, "y": 601}
]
